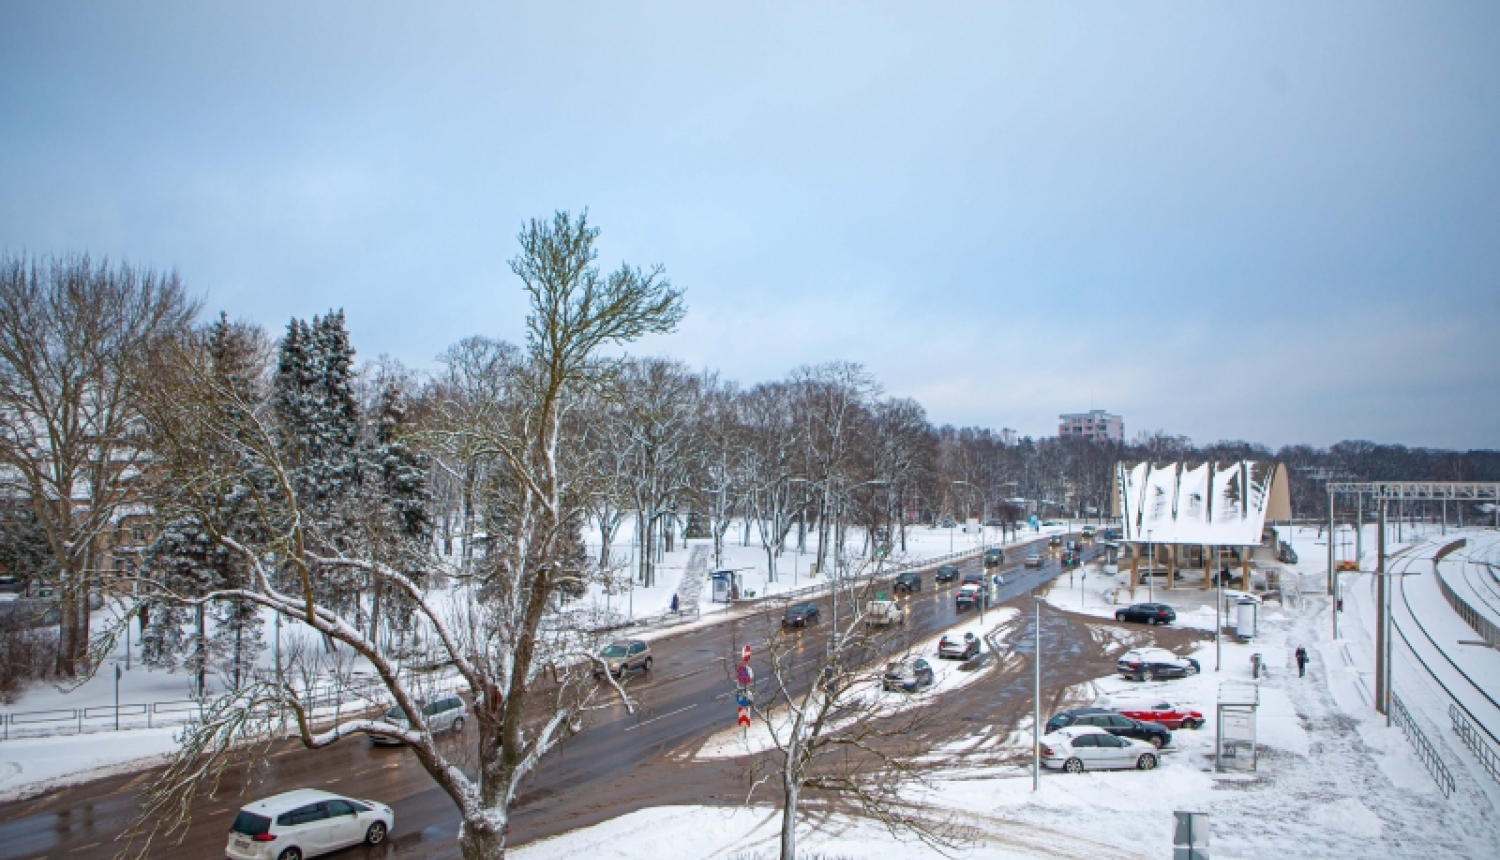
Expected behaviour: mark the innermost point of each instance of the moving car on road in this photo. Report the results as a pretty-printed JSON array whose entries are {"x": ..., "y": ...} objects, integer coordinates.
[
  {"x": 1150, "y": 664},
  {"x": 1086, "y": 748},
  {"x": 1034, "y": 560},
  {"x": 993, "y": 557},
  {"x": 884, "y": 613},
  {"x": 1054, "y": 542},
  {"x": 443, "y": 714},
  {"x": 907, "y": 675},
  {"x": 1154, "y": 734},
  {"x": 801, "y": 615},
  {"x": 955, "y": 647},
  {"x": 1147, "y": 613},
  {"x": 968, "y": 596},
  {"x": 973, "y": 577},
  {"x": 908, "y": 582},
  {"x": 947, "y": 573},
  {"x": 621, "y": 657},
  {"x": 306, "y": 823}
]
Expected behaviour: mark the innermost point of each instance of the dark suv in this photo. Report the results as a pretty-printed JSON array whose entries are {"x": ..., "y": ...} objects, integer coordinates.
[
  {"x": 908, "y": 582},
  {"x": 947, "y": 573},
  {"x": 1155, "y": 734},
  {"x": 1147, "y": 613},
  {"x": 993, "y": 558},
  {"x": 800, "y": 615}
]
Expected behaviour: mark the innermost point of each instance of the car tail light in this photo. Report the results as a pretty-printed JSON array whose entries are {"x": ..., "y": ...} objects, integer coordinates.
[
  {"x": 1046, "y": 750},
  {"x": 263, "y": 837}
]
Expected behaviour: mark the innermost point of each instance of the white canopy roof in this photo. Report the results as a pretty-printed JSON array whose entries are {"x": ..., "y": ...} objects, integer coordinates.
[{"x": 1215, "y": 504}]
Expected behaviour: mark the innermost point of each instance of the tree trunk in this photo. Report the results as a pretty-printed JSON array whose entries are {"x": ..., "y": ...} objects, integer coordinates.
[
  {"x": 475, "y": 843},
  {"x": 791, "y": 786}
]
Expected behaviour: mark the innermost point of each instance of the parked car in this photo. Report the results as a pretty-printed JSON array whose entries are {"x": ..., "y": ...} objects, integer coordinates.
[
  {"x": 884, "y": 613},
  {"x": 1034, "y": 560},
  {"x": 1163, "y": 713},
  {"x": 306, "y": 823},
  {"x": 1149, "y": 664},
  {"x": 993, "y": 557},
  {"x": 968, "y": 595},
  {"x": 1111, "y": 534},
  {"x": 1154, "y": 734},
  {"x": 801, "y": 615},
  {"x": 1075, "y": 750},
  {"x": 955, "y": 647},
  {"x": 1051, "y": 523},
  {"x": 620, "y": 657},
  {"x": 1147, "y": 613},
  {"x": 443, "y": 714},
  {"x": 947, "y": 573},
  {"x": 908, "y": 582},
  {"x": 907, "y": 675}
]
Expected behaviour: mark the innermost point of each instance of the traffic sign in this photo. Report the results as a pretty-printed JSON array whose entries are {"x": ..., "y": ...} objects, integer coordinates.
[
  {"x": 745, "y": 654},
  {"x": 744, "y": 675},
  {"x": 744, "y": 718},
  {"x": 742, "y": 698}
]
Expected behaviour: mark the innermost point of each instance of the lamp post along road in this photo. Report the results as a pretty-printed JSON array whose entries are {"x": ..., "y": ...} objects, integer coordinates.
[{"x": 1036, "y": 705}]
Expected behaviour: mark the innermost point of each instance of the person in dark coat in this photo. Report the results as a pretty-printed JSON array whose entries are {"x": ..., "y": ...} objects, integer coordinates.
[
  {"x": 674, "y": 602},
  {"x": 1301, "y": 662}
]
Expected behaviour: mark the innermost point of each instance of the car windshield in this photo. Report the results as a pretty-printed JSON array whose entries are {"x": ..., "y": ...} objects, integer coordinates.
[
  {"x": 614, "y": 651},
  {"x": 250, "y": 824}
]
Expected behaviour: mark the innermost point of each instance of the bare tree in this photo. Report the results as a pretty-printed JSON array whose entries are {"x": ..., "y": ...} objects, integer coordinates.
[
  {"x": 71, "y": 331},
  {"x": 525, "y": 665}
]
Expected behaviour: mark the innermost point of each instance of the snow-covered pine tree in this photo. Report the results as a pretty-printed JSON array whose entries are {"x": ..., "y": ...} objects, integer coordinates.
[{"x": 401, "y": 494}]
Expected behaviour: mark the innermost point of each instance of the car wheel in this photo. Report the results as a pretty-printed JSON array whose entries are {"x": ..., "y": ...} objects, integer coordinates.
[
  {"x": 1073, "y": 765},
  {"x": 1190, "y": 671},
  {"x": 290, "y": 854},
  {"x": 1119, "y": 616},
  {"x": 1150, "y": 622},
  {"x": 1192, "y": 724},
  {"x": 458, "y": 729},
  {"x": 1146, "y": 762},
  {"x": 1148, "y": 675},
  {"x": 376, "y": 834},
  {"x": 647, "y": 664},
  {"x": 1156, "y": 741}
]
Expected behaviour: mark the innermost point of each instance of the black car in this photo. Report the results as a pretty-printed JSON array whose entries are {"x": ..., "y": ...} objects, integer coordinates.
[
  {"x": 1116, "y": 724},
  {"x": 800, "y": 615},
  {"x": 947, "y": 573},
  {"x": 1150, "y": 664},
  {"x": 1147, "y": 613},
  {"x": 993, "y": 558},
  {"x": 908, "y": 582},
  {"x": 1054, "y": 542},
  {"x": 972, "y": 577}
]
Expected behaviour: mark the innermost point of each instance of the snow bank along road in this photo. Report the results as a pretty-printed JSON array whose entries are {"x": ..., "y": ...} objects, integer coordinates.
[{"x": 594, "y": 777}]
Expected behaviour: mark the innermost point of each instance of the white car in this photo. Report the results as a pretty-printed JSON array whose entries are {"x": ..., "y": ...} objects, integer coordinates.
[
  {"x": 1080, "y": 748},
  {"x": 444, "y": 714},
  {"x": 305, "y": 823},
  {"x": 884, "y": 613},
  {"x": 1033, "y": 560}
]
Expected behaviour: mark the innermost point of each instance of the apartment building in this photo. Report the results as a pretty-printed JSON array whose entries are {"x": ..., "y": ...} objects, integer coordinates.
[{"x": 1095, "y": 424}]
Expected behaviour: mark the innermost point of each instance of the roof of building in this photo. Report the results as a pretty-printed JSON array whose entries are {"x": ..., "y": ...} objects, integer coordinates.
[{"x": 1215, "y": 504}]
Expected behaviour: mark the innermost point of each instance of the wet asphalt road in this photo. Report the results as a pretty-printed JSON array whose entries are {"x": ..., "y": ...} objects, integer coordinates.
[{"x": 595, "y": 776}]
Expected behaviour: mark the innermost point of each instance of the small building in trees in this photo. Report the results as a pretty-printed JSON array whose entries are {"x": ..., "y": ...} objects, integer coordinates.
[{"x": 1183, "y": 517}]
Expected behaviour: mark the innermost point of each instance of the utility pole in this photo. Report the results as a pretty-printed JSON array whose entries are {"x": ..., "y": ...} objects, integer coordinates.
[
  {"x": 1382, "y": 624},
  {"x": 1036, "y": 715}
]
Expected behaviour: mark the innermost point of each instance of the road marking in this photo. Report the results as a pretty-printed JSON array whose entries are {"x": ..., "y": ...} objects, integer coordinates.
[
  {"x": 331, "y": 781},
  {"x": 661, "y": 717},
  {"x": 83, "y": 847}
]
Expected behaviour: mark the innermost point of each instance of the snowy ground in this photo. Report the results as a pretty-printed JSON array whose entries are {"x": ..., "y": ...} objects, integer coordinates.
[{"x": 1333, "y": 779}]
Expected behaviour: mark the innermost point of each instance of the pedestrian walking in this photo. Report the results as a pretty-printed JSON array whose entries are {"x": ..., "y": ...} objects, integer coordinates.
[
  {"x": 1301, "y": 662},
  {"x": 674, "y": 603}
]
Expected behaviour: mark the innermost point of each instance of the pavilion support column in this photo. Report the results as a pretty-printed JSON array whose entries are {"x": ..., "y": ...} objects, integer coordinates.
[
  {"x": 1171, "y": 566},
  {"x": 1209, "y": 567},
  {"x": 1245, "y": 568},
  {"x": 1135, "y": 568}
]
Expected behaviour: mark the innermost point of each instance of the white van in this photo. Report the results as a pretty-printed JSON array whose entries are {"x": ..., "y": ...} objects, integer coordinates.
[
  {"x": 305, "y": 823},
  {"x": 882, "y": 613},
  {"x": 444, "y": 714}
]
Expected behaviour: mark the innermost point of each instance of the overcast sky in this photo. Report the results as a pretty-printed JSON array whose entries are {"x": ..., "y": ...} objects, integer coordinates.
[{"x": 1275, "y": 222}]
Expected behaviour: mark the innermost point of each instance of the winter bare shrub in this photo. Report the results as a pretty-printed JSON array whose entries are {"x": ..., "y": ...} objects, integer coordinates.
[{"x": 27, "y": 654}]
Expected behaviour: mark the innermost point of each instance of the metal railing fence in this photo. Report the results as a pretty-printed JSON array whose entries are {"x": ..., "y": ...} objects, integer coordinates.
[
  {"x": 1426, "y": 752},
  {"x": 1476, "y": 743}
]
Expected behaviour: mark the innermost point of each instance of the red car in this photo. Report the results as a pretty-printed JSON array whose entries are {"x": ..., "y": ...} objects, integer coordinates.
[{"x": 1169, "y": 715}]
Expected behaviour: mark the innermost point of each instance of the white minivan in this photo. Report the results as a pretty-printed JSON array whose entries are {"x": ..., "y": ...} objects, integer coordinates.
[{"x": 305, "y": 823}]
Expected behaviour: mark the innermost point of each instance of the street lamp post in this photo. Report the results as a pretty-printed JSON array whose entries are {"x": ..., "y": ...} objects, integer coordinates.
[
  {"x": 1150, "y": 573},
  {"x": 1036, "y": 700}
]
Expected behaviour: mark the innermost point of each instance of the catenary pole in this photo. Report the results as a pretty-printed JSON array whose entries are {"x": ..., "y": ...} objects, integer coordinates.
[{"x": 1036, "y": 714}]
